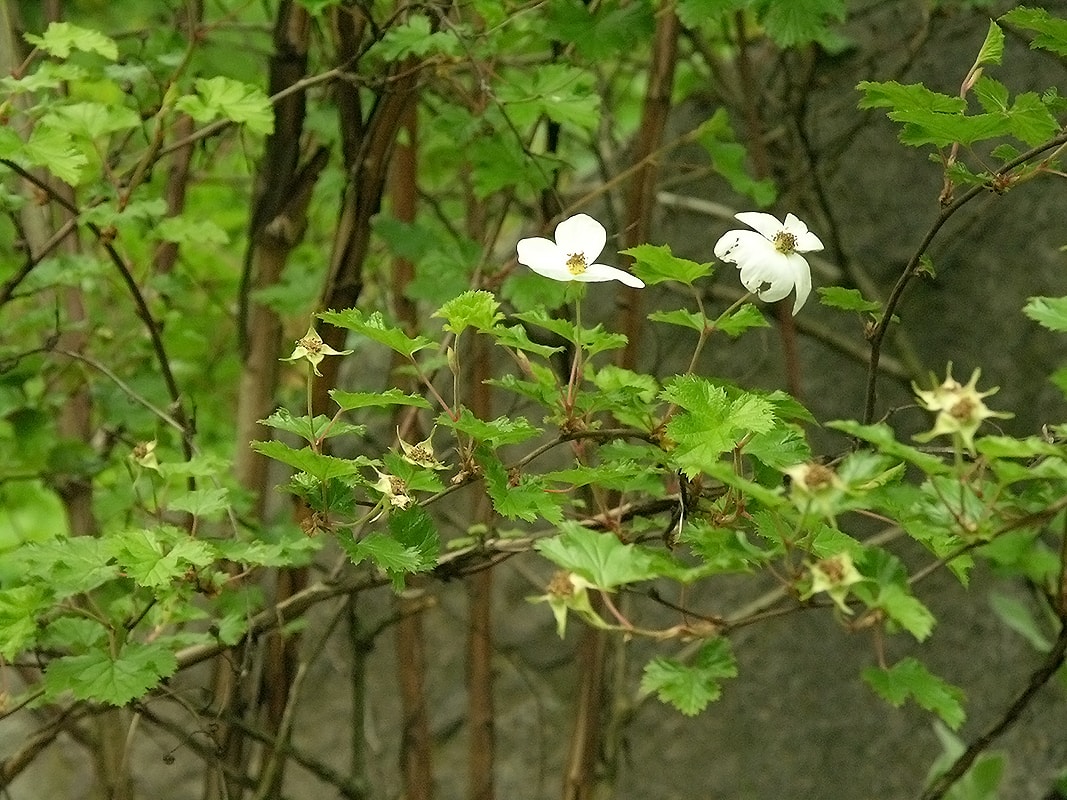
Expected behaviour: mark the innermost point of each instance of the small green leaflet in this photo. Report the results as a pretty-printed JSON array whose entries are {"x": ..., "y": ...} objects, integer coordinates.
[
  {"x": 348, "y": 401},
  {"x": 202, "y": 503},
  {"x": 713, "y": 422},
  {"x": 739, "y": 321},
  {"x": 19, "y": 607},
  {"x": 655, "y": 264},
  {"x": 476, "y": 309},
  {"x": 1051, "y": 31},
  {"x": 97, "y": 677},
  {"x": 62, "y": 38},
  {"x": 53, "y": 149},
  {"x": 1049, "y": 312},
  {"x": 525, "y": 497},
  {"x": 882, "y": 437},
  {"x": 156, "y": 558},
  {"x": 411, "y": 546},
  {"x": 516, "y": 338},
  {"x": 911, "y": 96},
  {"x": 689, "y": 688},
  {"x": 315, "y": 464},
  {"x": 414, "y": 38},
  {"x": 993, "y": 47},
  {"x": 495, "y": 433},
  {"x": 680, "y": 317},
  {"x": 374, "y": 327},
  {"x": 800, "y": 21},
  {"x": 238, "y": 102},
  {"x": 909, "y": 678},
  {"x": 599, "y": 557},
  {"x": 730, "y": 159},
  {"x": 847, "y": 300},
  {"x": 311, "y": 430}
]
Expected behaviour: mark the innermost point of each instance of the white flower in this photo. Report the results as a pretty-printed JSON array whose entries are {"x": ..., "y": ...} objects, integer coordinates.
[
  {"x": 769, "y": 257},
  {"x": 579, "y": 241}
]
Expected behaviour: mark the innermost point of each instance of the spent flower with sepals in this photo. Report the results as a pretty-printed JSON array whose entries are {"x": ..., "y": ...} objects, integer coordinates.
[
  {"x": 769, "y": 256},
  {"x": 815, "y": 486},
  {"x": 313, "y": 349},
  {"x": 579, "y": 241},
  {"x": 834, "y": 575},
  {"x": 420, "y": 454},
  {"x": 394, "y": 491},
  {"x": 959, "y": 407}
]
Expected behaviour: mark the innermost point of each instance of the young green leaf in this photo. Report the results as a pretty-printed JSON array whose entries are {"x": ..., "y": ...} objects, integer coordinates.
[
  {"x": 223, "y": 97},
  {"x": 476, "y": 309},
  {"x": 495, "y": 433},
  {"x": 909, "y": 678},
  {"x": 320, "y": 466},
  {"x": 1049, "y": 312},
  {"x": 1051, "y": 31},
  {"x": 847, "y": 300},
  {"x": 730, "y": 159},
  {"x": 519, "y": 496},
  {"x": 349, "y": 401},
  {"x": 310, "y": 430},
  {"x": 680, "y": 317},
  {"x": 993, "y": 47},
  {"x": 690, "y": 688},
  {"x": 599, "y": 556},
  {"x": 374, "y": 327},
  {"x": 800, "y": 21},
  {"x": 655, "y": 264},
  {"x": 98, "y": 677},
  {"x": 202, "y": 503},
  {"x": 737, "y": 322},
  {"x": 61, "y": 38},
  {"x": 155, "y": 558}
]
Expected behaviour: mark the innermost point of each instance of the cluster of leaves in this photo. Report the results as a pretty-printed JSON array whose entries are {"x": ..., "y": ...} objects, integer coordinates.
[{"x": 671, "y": 479}]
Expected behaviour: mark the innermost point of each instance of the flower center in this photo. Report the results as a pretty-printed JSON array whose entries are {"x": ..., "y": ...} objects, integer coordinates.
[
  {"x": 785, "y": 242},
  {"x": 963, "y": 410},
  {"x": 313, "y": 345},
  {"x": 576, "y": 263}
]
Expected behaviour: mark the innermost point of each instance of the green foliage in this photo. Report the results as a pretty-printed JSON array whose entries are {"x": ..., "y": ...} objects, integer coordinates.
[
  {"x": 908, "y": 678},
  {"x": 616, "y": 475},
  {"x": 690, "y": 688}
]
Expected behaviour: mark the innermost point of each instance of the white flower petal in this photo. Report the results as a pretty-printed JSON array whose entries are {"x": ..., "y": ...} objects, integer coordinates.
[
  {"x": 544, "y": 257},
  {"x": 742, "y": 246},
  {"x": 801, "y": 279},
  {"x": 581, "y": 234},
  {"x": 767, "y": 224},
  {"x": 770, "y": 276},
  {"x": 596, "y": 273}
]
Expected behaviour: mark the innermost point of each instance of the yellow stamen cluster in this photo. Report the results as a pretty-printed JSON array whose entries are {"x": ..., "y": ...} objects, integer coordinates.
[
  {"x": 785, "y": 242},
  {"x": 576, "y": 263}
]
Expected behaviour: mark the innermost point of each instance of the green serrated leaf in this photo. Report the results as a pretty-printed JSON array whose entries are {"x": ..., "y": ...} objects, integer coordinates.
[
  {"x": 185, "y": 230},
  {"x": 156, "y": 557},
  {"x": 680, "y": 317},
  {"x": 349, "y": 401},
  {"x": 475, "y": 309},
  {"x": 800, "y": 21},
  {"x": 374, "y": 327},
  {"x": 495, "y": 433},
  {"x": 737, "y": 322},
  {"x": 54, "y": 149},
  {"x": 98, "y": 677},
  {"x": 908, "y": 97},
  {"x": 993, "y": 47},
  {"x": 203, "y": 503},
  {"x": 1049, "y": 312},
  {"x": 1020, "y": 618},
  {"x": 62, "y": 38},
  {"x": 519, "y": 496},
  {"x": 224, "y": 97},
  {"x": 599, "y": 556},
  {"x": 909, "y": 678},
  {"x": 1051, "y": 31},
  {"x": 730, "y": 159},
  {"x": 311, "y": 430},
  {"x": 19, "y": 607},
  {"x": 847, "y": 300},
  {"x": 655, "y": 264},
  {"x": 690, "y": 688},
  {"x": 315, "y": 464},
  {"x": 516, "y": 337},
  {"x": 414, "y": 37}
]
